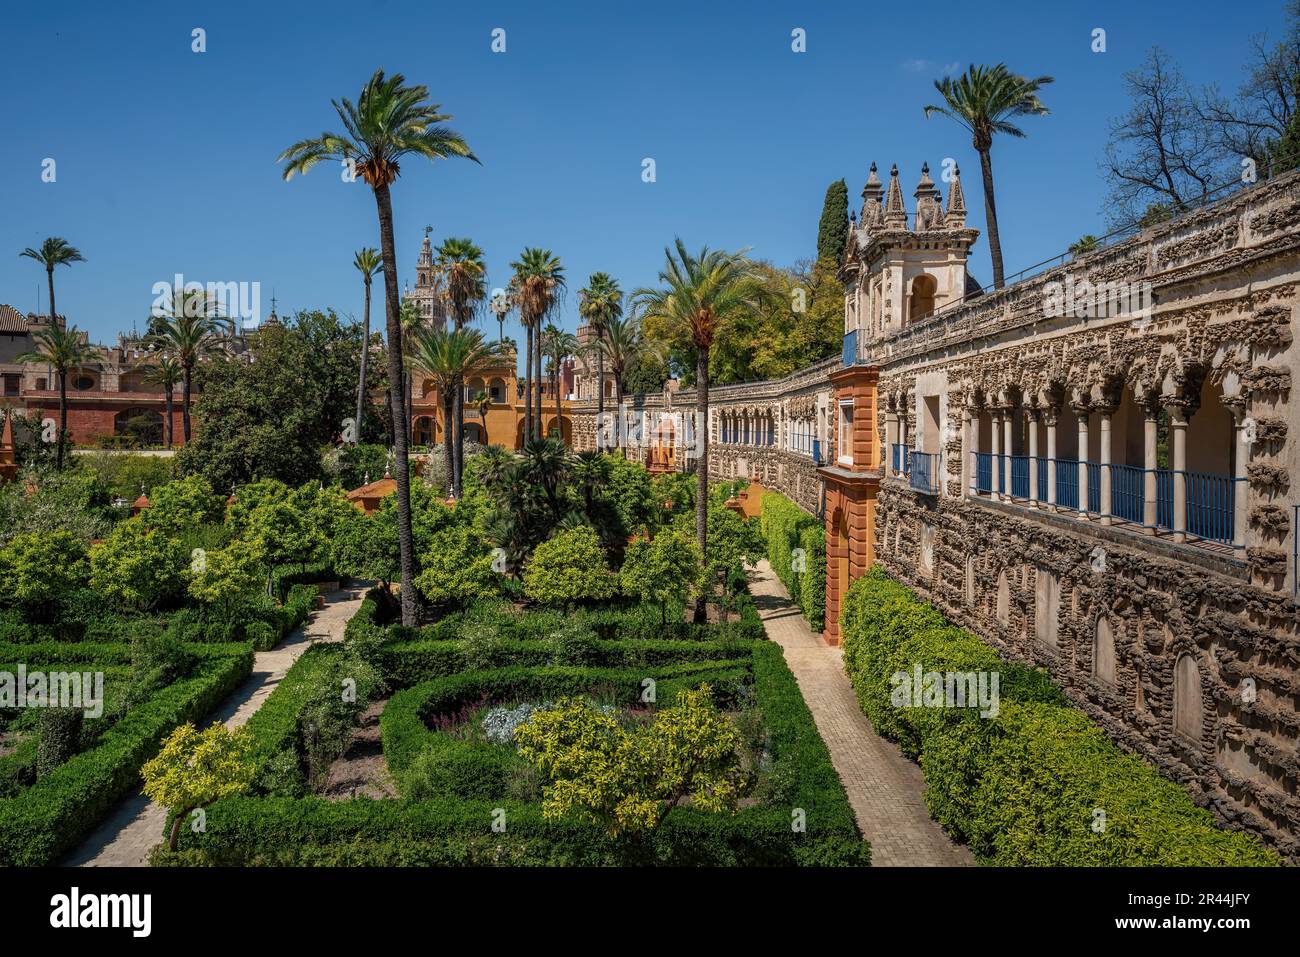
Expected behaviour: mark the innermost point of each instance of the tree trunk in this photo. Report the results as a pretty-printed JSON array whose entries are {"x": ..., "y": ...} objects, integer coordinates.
[
  {"x": 528, "y": 387},
  {"x": 187, "y": 378},
  {"x": 459, "y": 437},
  {"x": 702, "y": 465},
  {"x": 448, "y": 446},
  {"x": 559, "y": 413},
  {"x": 365, "y": 354},
  {"x": 618, "y": 411},
  {"x": 991, "y": 216},
  {"x": 396, "y": 376},
  {"x": 600, "y": 378},
  {"x": 63, "y": 420},
  {"x": 538, "y": 346},
  {"x": 49, "y": 275},
  {"x": 171, "y": 426}
]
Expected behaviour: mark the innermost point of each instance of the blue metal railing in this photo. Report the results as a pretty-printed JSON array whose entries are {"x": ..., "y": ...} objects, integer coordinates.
[
  {"x": 1067, "y": 482},
  {"x": 1094, "y": 487},
  {"x": 1164, "y": 498},
  {"x": 984, "y": 472},
  {"x": 817, "y": 451},
  {"x": 1211, "y": 506},
  {"x": 1040, "y": 465},
  {"x": 899, "y": 458},
  {"x": 924, "y": 472},
  {"x": 850, "y": 355},
  {"x": 1019, "y": 475},
  {"x": 1127, "y": 492}
]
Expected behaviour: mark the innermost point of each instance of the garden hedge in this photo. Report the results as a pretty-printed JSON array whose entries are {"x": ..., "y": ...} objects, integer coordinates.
[
  {"x": 1022, "y": 787},
  {"x": 786, "y": 527},
  {"x": 48, "y": 818}
]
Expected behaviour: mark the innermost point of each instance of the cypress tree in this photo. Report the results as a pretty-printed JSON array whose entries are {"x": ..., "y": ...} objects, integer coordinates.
[{"x": 833, "y": 230}]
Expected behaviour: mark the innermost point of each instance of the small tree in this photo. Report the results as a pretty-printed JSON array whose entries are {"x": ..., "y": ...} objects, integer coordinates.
[
  {"x": 365, "y": 546},
  {"x": 195, "y": 768},
  {"x": 458, "y": 568},
  {"x": 568, "y": 569},
  {"x": 181, "y": 505},
  {"x": 229, "y": 577},
  {"x": 138, "y": 567},
  {"x": 37, "y": 569},
  {"x": 661, "y": 570}
]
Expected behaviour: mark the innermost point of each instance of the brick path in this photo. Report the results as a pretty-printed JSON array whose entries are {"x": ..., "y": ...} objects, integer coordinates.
[
  {"x": 129, "y": 833},
  {"x": 885, "y": 789}
]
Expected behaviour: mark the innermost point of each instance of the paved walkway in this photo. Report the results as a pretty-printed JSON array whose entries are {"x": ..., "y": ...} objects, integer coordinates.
[
  {"x": 129, "y": 833},
  {"x": 884, "y": 787}
]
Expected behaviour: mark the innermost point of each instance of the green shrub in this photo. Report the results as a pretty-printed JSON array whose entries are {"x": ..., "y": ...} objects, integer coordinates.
[
  {"x": 58, "y": 735},
  {"x": 786, "y": 527},
  {"x": 568, "y": 569},
  {"x": 1023, "y": 786}
]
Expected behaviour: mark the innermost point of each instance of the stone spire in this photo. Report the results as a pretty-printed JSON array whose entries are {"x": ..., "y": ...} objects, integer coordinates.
[
  {"x": 929, "y": 208},
  {"x": 895, "y": 213},
  {"x": 956, "y": 201},
  {"x": 872, "y": 213}
]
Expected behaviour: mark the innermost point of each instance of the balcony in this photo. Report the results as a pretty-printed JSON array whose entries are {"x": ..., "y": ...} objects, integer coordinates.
[
  {"x": 923, "y": 472},
  {"x": 850, "y": 351},
  {"x": 1208, "y": 513}
]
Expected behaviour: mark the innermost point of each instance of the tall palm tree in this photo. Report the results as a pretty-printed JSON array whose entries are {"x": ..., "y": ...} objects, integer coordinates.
[
  {"x": 558, "y": 344},
  {"x": 984, "y": 100},
  {"x": 623, "y": 343},
  {"x": 451, "y": 356},
  {"x": 600, "y": 303},
  {"x": 189, "y": 327},
  {"x": 389, "y": 121},
  {"x": 536, "y": 286},
  {"x": 65, "y": 351},
  {"x": 369, "y": 264},
  {"x": 166, "y": 372},
  {"x": 465, "y": 281},
  {"x": 55, "y": 251},
  {"x": 698, "y": 295}
]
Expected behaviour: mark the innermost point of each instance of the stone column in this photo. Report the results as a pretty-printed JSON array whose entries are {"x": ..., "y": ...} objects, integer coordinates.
[
  {"x": 891, "y": 438},
  {"x": 967, "y": 452},
  {"x": 1008, "y": 420},
  {"x": 1050, "y": 419},
  {"x": 1240, "y": 462},
  {"x": 1031, "y": 423},
  {"x": 1082, "y": 411},
  {"x": 1178, "y": 454},
  {"x": 995, "y": 474},
  {"x": 1150, "y": 492},
  {"x": 1105, "y": 412}
]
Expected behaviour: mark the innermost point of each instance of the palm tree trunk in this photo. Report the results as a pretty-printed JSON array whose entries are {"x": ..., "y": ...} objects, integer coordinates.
[
  {"x": 600, "y": 376},
  {"x": 991, "y": 216},
  {"x": 49, "y": 275},
  {"x": 396, "y": 376},
  {"x": 365, "y": 354},
  {"x": 187, "y": 378},
  {"x": 702, "y": 465},
  {"x": 448, "y": 446},
  {"x": 559, "y": 414},
  {"x": 63, "y": 419},
  {"x": 618, "y": 410},
  {"x": 460, "y": 434},
  {"x": 171, "y": 426},
  {"x": 528, "y": 388},
  {"x": 538, "y": 347}
]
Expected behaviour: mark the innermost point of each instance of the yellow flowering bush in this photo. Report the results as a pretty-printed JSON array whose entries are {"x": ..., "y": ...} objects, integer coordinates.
[{"x": 195, "y": 768}]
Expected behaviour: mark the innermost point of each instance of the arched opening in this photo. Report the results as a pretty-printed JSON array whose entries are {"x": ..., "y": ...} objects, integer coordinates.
[
  {"x": 922, "y": 301},
  {"x": 141, "y": 427},
  {"x": 1004, "y": 599},
  {"x": 425, "y": 431},
  {"x": 83, "y": 381},
  {"x": 474, "y": 433},
  {"x": 1047, "y": 611},
  {"x": 564, "y": 431},
  {"x": 1103, "y": 652},
  {"x": 1188, "y": 713},
  {"x": 497, "y": 390},
  {"x": 841, "y": 556},
  {"x": 429, "y": 390},
  {"x": 474, "y": 389}
]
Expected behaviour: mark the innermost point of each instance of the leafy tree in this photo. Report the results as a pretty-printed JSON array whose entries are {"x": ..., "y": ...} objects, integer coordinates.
[
  {"x": 138, "y": 567},
  {"x": 37, "y": 569},
  {"x": 627, "y": 780},
  {"x": 195, "y": 768},
  {"x": 351, "y": 465},
  {"x": 369, "y": 264},
  {"x": 366, "y": 547},
  {"x": 283, "y": 536},
  {"x": 73, "y": 501},
  {"x": 228, "y": 578},
  {"x": 833, "y": 227},
  {"x": 458, "y": 568},
  {"x": 733, "y": 541},
  {"x": 984, "y": 100},
  {"x": 125, "y": 476},
  {"x": 630, "y": 490},
  {"x": 568, "y": 569},
  {"x": 183, "y": 504},
  {"x": 389, "y": 121},
  {"x": 661, "y": 570},
  {"x": 65, "y": 350},
  {"x": 1284, "y": 152},
  {"x": 55, "y": 251}
]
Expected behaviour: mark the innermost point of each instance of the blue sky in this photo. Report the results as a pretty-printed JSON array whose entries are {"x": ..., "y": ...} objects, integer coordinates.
[{"x": 166, "y": 158}]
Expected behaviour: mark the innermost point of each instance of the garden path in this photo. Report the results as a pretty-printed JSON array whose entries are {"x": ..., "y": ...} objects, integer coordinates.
[
  {"x": 129, "y": 833},
  {"x": 885, "y": 789}
]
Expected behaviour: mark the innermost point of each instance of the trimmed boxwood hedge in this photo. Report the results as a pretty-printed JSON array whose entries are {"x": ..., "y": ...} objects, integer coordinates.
[
  {"x": 49, "y": 817},
  {"x": 452, "y": 831},
  {"x": 786, "y": 527},
  {"x": 1020, "y": 788}
]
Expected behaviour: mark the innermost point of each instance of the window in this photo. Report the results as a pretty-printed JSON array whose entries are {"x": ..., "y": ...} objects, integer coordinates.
[
  {"x": 83, "y": 383},
  {"x": 845, "y": 442}
]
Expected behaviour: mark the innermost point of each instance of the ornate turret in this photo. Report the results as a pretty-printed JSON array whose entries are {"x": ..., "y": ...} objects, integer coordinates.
[
  {"x": 929, "y": 205},
  {"x": 956, "y": 218},
  {"x": 427, "y": 293},
  {"x": 895, "y": 212},
  {"x": 872, "y": 212}
]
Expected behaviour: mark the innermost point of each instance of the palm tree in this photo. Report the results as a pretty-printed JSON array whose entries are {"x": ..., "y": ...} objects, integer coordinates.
[
  {"x": 166, "y": 372},
  {"x": 600, "y": 303},
  {"x": 65, "y": 351},
  {"x": 451, "y": 356},
  {"x": 984, "y": 100},
  {"x": 369, "y": 265},
  {"x": 189, "y": 328},
  {"x": 465, "y": 280},
  {"x": 55, "y": 251},
  {"x": 623, "y": 343},
  {"x": 698, "y": 295},
  {"x": 536, "y": 286},
  {"x": 389, "y": 121},
  {"x": 557, "y": 344}
]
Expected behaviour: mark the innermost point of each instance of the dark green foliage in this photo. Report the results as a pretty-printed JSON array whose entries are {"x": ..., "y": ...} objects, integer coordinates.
[
  {"x": 833, "y": 227},
  {"x": 58, "y": 733},
  {"x": 786, "y": 527},
  {"x": 1020, "y": 787}
]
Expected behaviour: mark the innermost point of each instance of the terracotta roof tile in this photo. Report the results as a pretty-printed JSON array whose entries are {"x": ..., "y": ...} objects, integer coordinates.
[{"x": 11, "y": 319}]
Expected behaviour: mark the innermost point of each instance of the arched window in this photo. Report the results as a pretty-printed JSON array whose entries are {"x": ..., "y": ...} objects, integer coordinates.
[
  {"x": 922, "y": 303},
  {"x": 1188, "y": 714},
  {"x": 1103, "y": 652}
]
